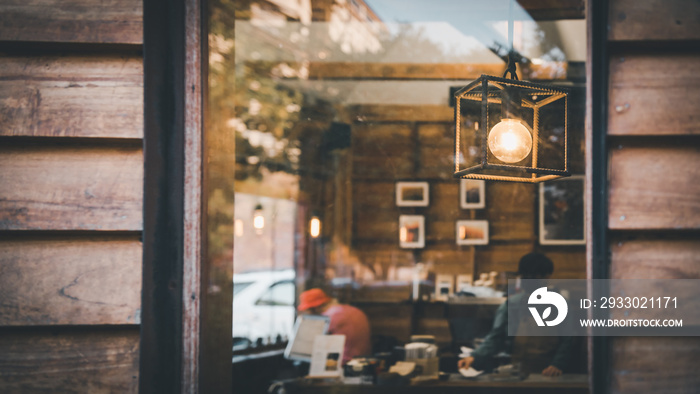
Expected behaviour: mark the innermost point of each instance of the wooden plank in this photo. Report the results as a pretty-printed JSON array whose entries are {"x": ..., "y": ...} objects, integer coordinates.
[
  {"x": 654, "y": 94},
  {"x": 444, "y": 202},
  {"x": 72, "y": 96},
  {"x": 401, "y": 113},
  {"x": 652, "y": 20},
  {"x": 436, "y": 155},
  {"x": 84, "y": 21},
  {"x": 436, "y": 163},
  {"x": 645, "y": 257},
  {"x": 500, "y": 258},
  {"x": 84, "y": 280},
  {"x": 425, "y": 71},
  {"x": 77, "y": 188},
  {"x": 447, "y": 259},
  {"x": 654, "y": 187},
  {"x": 511, "y": 211},
  {"x": 389, "y": 319},
  {"x": 384, "y": 256},
  {"x": 569, "y": 261},
  {"x": 388, "y": 138},
  {"x": 655, "y": 364},
  {"x": 554, "y": 9},
  {"x": 378, "y": 196},
  {"x": 75, "y": 361}
]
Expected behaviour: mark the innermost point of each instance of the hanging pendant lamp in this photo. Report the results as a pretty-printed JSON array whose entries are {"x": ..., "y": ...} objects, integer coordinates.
[{"x": 511, "y": 130}]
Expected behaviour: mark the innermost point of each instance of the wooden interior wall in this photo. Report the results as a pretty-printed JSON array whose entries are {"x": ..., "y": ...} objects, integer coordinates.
[
  {"x": 71, "y": 187},
  {"x": 654, "y": 198},
  {"x": 411, "y": 143}
]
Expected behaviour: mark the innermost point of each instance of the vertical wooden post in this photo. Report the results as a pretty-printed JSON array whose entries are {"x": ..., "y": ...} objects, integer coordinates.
[
  {"x": 597, "y": 257},
  {"x": 163, "y": 236}
]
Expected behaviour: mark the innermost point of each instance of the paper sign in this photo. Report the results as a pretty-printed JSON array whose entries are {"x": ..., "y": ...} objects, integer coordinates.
[{"x": 327, "y": 356}]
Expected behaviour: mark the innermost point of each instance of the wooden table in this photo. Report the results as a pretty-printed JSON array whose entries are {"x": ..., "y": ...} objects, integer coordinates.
[{"x": 536, "y": 383}]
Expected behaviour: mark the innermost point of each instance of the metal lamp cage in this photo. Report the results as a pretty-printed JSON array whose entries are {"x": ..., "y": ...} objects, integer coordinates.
[{"x": 480, "y": 105}]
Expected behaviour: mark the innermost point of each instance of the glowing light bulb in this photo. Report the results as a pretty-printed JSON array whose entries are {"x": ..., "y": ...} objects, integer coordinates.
[
  {"x": 258, "y": 219},
  {"x": 315, "y": 227},
  {"x": 510, "y": 140}
]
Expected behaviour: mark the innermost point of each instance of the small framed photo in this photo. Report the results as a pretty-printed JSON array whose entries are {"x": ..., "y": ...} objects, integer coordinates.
[
  {"x": 444, "y": 285},
  {"x": 472, "y": 193},
  {"x": 412, "y": 231},
  {"x": 472, "y": 232},
  {"x": 562, "y": 217},
  {"x": 412, "y": 194}
]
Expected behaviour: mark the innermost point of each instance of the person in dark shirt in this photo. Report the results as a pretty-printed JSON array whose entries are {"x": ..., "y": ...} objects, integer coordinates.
[{"x": 550, "y": 355}]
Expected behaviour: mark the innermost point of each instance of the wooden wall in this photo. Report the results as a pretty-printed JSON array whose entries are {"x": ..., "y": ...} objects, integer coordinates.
[
  {"x": 654, "y": 197},
  {"x": 393, "y": 143},
  {"x": 71, "y": 187}
]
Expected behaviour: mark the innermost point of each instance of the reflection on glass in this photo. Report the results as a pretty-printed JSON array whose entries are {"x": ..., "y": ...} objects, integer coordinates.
[{"x": 330, "y": 107}]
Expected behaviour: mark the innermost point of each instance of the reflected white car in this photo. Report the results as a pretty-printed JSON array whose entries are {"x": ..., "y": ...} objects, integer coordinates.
[{"x": 263, "y": 306}]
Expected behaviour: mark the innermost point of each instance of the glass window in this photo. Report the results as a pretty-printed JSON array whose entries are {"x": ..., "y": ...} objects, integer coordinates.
[
  {"x": 343, "y": 112},
  {"x": 240, "y": 286},
  {"x": 279, "y": 294}
]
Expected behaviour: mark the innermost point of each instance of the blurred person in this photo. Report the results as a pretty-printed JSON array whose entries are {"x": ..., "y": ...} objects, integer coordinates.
[
  {"x": 344, "y": 320},
  {"x": 550, "y": 355}
]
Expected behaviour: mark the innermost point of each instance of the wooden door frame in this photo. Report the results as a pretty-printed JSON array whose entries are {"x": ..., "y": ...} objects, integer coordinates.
[
  {"x": 597, "y": 250},
  {"x": 174, "y": 270},
  {"x": 177, "y": 333}
]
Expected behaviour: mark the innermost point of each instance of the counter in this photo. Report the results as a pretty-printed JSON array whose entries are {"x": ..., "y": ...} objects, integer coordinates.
[{"x": 535, "y": 383}]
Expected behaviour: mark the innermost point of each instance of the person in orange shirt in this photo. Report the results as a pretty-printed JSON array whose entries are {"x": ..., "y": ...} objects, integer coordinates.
[{"x": 345, "y": 320}]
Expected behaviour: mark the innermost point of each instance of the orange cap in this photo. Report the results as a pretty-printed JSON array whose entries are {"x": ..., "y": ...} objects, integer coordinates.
[{"x": 312, "y": 298}]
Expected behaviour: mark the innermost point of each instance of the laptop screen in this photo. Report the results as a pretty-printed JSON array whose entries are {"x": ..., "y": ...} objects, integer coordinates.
[{"x": 306, "y": 328}]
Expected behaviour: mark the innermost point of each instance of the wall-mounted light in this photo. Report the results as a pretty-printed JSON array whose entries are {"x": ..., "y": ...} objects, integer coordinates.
[
  {"x": 315, "y": 227},
  {"x": 258, "y": 219}
]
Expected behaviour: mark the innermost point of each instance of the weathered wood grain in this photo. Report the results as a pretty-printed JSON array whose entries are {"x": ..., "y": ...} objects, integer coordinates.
[
  {"x": 569, "y": 261},
  {"x": 383, "y": 151},
  {"x": 654, "y": 187},
  {"x": 72, "y": 96},
  {"x": 655, "y": 94},
  {"x": 447, "y": 259},
  {"x": 77, "y": 361},
  {"x": 80, "y": 188},
  {"x": 554, "y": 9},
  {"x": 654, "y": 20},
  {"x": 436, "y": 155},
  {"x": 511, "y": 211},
  {"x": 385, "y": 255},
  {"x": 655, "y": 365},
  {"x": 502, "y": 258},
  {"x": 401, "y": 113},
  {"x": 78, "y": 280},
  {"x": 645, "y": 257},
  {"x": 389, "y": 319},
  {"x": 83, "y": 21},
  {"x": 425, "y": 71}
]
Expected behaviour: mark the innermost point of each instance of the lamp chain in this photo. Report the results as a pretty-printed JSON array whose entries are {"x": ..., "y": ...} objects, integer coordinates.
[{"x": 511, "y": 52}]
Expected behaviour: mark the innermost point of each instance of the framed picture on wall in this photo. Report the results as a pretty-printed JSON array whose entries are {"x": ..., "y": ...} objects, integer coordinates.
[
  {"x": 472, "y": 193},
  {"x": 412, "y": 231},
  {"x": 561, "y": 216},
  {"x": 472, "y": 232},
  {"x": 412, "y": 194}
]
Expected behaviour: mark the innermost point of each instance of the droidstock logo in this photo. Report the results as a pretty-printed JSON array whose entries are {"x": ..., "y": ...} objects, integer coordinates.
[{"x": 543, "y": 297}]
